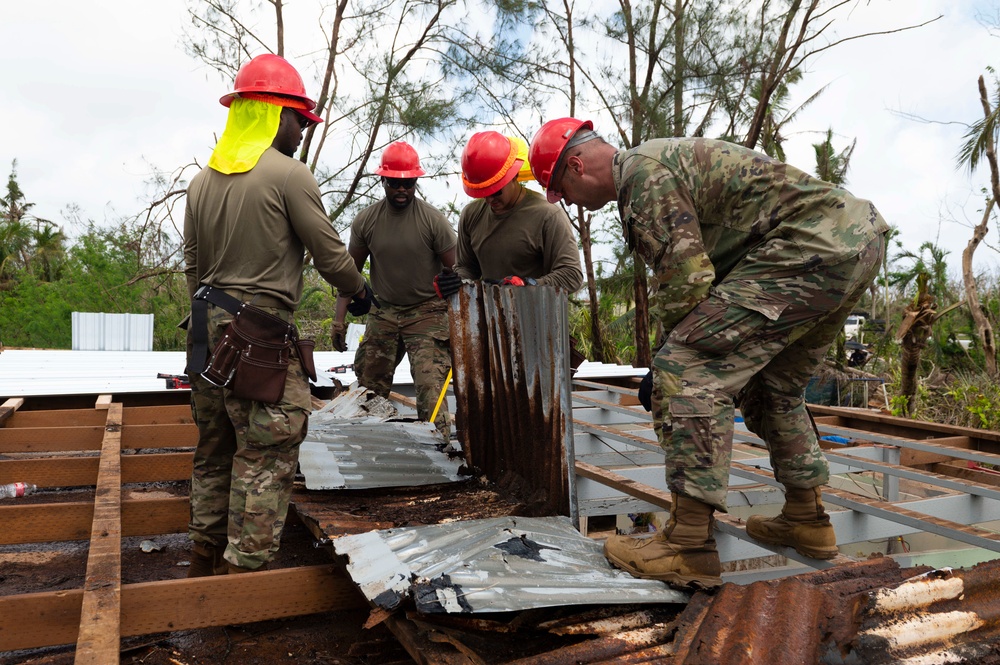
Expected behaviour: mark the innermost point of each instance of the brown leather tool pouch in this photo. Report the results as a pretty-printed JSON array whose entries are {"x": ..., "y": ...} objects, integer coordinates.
[
  {"x": 251, "y": 359},
  {"x": 305, "y": 347}
]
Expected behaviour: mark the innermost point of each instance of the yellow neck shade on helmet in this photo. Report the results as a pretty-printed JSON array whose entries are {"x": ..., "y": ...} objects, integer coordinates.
[
  {"x": 250, "y": 130},
  {"x": 524, "y": 173}
]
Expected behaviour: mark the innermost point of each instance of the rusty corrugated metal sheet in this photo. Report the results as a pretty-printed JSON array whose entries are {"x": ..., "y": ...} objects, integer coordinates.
[
  {"x": 510, "y": 349},
  {"x": 869, "y": 613}
]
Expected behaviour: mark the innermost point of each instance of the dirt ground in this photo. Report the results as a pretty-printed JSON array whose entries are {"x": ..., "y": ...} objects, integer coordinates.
[{"x": 333, "y": 637}]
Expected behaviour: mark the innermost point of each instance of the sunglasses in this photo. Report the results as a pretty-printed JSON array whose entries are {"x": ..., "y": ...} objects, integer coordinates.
[
  {"x": 304, "y": 122},
  {"x": 400, "y": 183}
]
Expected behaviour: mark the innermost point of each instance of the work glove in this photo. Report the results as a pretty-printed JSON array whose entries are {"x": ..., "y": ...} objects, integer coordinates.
[
  {"x": 646, "y": 391},
  {"x": 338, "y": 335},
  {"x": 361, "y": 305},
  {"x": 447, "y": 282},
  {"x": 514, "y": 280}
]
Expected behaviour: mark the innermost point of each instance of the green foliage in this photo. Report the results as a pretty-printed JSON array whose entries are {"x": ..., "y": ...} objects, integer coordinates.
[{"x": 976, "y": 402}]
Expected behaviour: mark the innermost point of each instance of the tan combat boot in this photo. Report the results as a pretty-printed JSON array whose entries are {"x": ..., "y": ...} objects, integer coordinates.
[
  {"x": 683, "y": 554},
  {"x": 207, "y": 560},
  {"x": 802, "y": 524}
]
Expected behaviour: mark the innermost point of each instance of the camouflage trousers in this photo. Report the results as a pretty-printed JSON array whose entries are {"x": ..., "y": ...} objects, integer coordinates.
[
  {"x": 246, "y": 460},
  {"x": 422, "y": 332},
  {"x": 754, "y": 342}
]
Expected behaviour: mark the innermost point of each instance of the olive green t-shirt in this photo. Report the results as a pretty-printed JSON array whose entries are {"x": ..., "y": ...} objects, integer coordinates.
[
  {"x": 249, "y": 231},
  {"x": 534, "y": 239},
  {"x": 405, "y": 246}
]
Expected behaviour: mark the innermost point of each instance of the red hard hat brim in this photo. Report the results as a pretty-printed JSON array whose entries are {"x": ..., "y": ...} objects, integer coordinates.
[
  {"x": 483, "y": 192},
  {"x": 393, "y": 173},
  {"x": 227, "y": 101}
]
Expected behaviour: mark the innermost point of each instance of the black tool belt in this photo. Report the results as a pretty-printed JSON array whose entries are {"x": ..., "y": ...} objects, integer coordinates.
[{"x": 252, "y": 356}]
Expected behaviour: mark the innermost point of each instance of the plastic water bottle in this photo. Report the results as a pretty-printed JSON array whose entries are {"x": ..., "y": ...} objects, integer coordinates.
[{"x": 12, "y": 490}]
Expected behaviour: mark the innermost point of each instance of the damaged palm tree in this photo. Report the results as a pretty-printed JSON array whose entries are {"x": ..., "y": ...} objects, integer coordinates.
[{"x": 914, "y": 332}]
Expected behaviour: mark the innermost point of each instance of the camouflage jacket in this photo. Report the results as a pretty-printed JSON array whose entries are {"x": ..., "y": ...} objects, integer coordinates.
[{"x": 695, "y": 208}]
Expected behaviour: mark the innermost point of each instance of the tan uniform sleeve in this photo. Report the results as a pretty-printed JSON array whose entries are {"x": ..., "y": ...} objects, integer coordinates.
[
  {"x": 190, "y": 249},
  {"x": 309, "y": 220},
  {"x": 562, "y": 257},
  {"x": 467, "y": 266}
]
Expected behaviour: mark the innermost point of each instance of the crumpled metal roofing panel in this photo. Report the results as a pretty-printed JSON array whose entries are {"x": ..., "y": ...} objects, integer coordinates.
[
  {"x": 493, "y": 565},
  {"x": 351, "y": 444}
]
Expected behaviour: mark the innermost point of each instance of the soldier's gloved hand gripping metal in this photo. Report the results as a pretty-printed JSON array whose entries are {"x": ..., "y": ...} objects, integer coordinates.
[
  {"x": 447, "y": 282},
  {"x": 361, "y": 305},
  {"x": 514, "y": 280}
]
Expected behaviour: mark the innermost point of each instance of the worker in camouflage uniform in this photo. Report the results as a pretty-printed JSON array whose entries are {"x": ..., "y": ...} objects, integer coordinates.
[
  {"x": 409, "y": 242},
  {"x": 251, "y": 215},
  {"x": 757, "y": 267},
  {"x": 509, "y": 234}
]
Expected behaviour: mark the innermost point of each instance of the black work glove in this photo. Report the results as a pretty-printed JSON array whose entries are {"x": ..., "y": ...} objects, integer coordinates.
[
  {"x": 447, "y": 283},
  {"x": 646, "y": 391},
  {"x": 361, "y": 305},
  {"x": 338, "y": 335}
]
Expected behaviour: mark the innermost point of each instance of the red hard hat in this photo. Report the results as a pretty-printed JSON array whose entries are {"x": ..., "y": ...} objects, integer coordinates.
[
  {"x": 400, "y": 160},
  {"x": 548, "y": 145},
  {"x": 489, "y": 162},
  {"x": 270, "y": 74}
]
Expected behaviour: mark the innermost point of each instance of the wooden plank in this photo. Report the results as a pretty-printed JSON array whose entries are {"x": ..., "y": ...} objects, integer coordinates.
[
  {"x": 99, "y": 638},
  {"x": 425, "y": 646},
  {"x": 34, "y": 620},
  {"x": 50, "y": 439},
  {"x": 10, "y": 407},
  {"x": 103, "y": 402},
  {"x": 160, "y": 436},
  {"x": 623, "y": 484},
  {"x": 169, "y": 414},
  {"x": 63, "y": 417},
  {"x": 50, "y": 522},
  {"x": 961, "y": 469},
  {"x": 89, "y": 437},
  {"x": 912, "y": 429},
  {"x": 82, "y": 471}
]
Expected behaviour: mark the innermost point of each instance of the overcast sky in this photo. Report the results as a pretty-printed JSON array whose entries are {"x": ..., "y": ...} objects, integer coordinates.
[{"x": 96, "y": 94}]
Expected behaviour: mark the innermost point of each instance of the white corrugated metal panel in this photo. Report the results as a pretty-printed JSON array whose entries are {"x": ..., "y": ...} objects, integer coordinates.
[
  {"x": 46, "y": 372},
  {"x": 492, "y": 565},
  {"x": 100, "y": 331}
]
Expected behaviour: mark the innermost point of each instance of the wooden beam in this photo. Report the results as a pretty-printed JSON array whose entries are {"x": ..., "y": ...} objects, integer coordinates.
[
  {"x": 82, "y": 471},
  {"x": 62, "y": 417},
  {"x": 625, "y": 485},
  {"x": 171, "y": 414},
  {"x": 103, "y": 402},
  {"x": 50, "y": 439},
  {"x": 168, "y": 414},
  {"x": 50, "y": 522},
  {"x": 10, "y": 407},
  {"x": 89, "y": 437},
  {"x": 99, "y": 639},
  {"x": 34, "y": 620},
  {"x": 962, "y": 469}
]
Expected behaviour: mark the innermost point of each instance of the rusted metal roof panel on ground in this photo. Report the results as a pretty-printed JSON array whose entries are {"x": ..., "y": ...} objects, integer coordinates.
[
  {"x": 496, "y": 565},
  {"x": 871, "y": 612}
]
